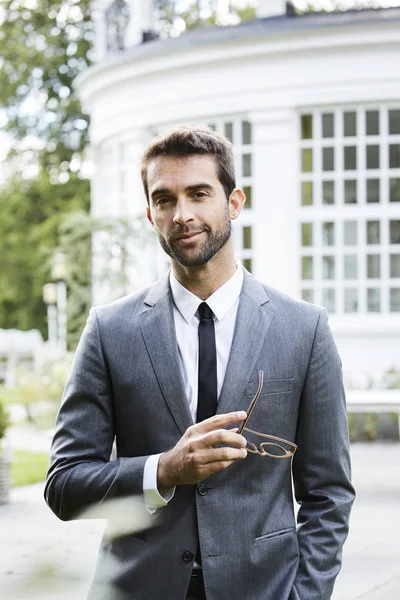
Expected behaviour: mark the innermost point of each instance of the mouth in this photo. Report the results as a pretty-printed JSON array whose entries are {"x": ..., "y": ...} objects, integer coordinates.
[{"x": 188, "y": 236}]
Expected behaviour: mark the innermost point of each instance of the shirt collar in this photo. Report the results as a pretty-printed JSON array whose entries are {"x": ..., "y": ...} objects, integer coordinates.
[{"x": 220, "y": 302}]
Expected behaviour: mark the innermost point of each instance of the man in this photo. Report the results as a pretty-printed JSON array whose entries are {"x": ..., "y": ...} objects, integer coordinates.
[{"x": 153, "y": 368}]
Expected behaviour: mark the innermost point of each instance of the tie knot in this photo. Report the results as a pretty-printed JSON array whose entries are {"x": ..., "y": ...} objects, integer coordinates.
[{"x": 205, "y": 312}]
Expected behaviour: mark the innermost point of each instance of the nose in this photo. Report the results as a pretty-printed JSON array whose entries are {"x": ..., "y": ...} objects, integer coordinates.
[{"x": 183, "y": 212}]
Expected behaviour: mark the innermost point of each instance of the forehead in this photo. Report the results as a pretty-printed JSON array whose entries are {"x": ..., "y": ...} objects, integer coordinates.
[{"x": 175, "y": 172}]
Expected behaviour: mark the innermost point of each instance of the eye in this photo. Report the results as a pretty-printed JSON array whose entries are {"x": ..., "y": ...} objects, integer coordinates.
[
  {"x": 200, "y": 195},
  {"x": 163, "y": 200}
]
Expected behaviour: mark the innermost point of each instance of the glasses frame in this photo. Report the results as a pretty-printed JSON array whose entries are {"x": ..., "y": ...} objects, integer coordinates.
[{"x": 272, "y": 439}]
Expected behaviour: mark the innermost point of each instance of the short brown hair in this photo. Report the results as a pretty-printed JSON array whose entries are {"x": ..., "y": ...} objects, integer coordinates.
[{"x": 188, "y": 140}]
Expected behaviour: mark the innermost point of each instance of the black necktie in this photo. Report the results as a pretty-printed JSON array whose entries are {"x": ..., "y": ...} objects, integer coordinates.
[{"x": 207, "y": 391}]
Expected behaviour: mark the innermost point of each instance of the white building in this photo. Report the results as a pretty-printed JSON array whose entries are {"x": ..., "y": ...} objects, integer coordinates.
[{"x": 312, "y": 106}]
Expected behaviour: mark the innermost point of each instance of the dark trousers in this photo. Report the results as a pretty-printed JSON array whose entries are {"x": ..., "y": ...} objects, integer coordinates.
[{"x": 196, "y": 587}]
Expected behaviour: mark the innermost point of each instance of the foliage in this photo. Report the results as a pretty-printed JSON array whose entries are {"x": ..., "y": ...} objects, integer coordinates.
[
  {"x": 28, "y": 467},
  {"x": 391, "y": 379},
  {"x": 4, "y": 419}
]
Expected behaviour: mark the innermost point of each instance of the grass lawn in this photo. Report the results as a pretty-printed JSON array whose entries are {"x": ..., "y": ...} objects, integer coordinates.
[{"x": 28, "y": 467}]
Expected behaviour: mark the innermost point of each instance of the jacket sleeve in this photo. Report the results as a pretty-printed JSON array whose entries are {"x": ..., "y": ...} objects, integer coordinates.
[
  {"x": 81, "y": 473},
  {"x": 321, "y": 470}
]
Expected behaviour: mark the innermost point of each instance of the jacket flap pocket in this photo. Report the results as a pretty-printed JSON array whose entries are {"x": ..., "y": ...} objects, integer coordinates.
[{"x": 271, "y": 386}]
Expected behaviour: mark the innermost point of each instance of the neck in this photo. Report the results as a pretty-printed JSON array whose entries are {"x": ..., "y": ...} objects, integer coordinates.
[{"x": 203, "y": 281}]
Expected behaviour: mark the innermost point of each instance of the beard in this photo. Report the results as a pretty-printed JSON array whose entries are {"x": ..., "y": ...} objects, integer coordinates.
[{"x": 214, "y": 240}]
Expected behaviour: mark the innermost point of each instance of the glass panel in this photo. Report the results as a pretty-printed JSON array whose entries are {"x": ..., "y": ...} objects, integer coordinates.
[
  {"x": 306, "y": 160},
  {"x": 373, "y": 300},
  {"x": 328, "y": 300},
  {"x": 328, "y": 159},
  {"x": 306, "y": 127},
  {"x": 328, "y": 234},
  {"x": 306, "y": 193},
  {"x": 306, "y": 267},
  {"x": 373, "y": 194},
  {"x": 373, "y": 232},
  {"x": 395, "y": 300},
  {"x": 228, "y": 130},
  {"x": 373, "y": 266},
  {"x": 328, "y": 267},
  {"x": 372, "y": 122},
  {"x": 307, "y": 295},
  {"x": 373, "y": 157},
  {"x": 247, "y": 237},
  {"x": 395, "y": 265},
  {"x": 395, "y": 232},
  {"x": 248, "y": 264},
  {"x": 328, "y": 192},
  {"x": 394, "y": 193},
  {"x": 350, "y": 233},
  {"x": 327, "y": 125},
  {"x": 306, "y": 234},
  {"x": 246, "y": 165},
  {"x": 350, "y": 266},
  {"x": 248, "y": 193},
  {"x": 350, "y": 301},
  {"x": 350, "y": 158},
  {"x": 350, "y": 123},
  {"x": 394, "y": 156},
  {"x": 394, "y": 121},
  {"x": 246, "y": 132},
  {"x": 350, "y": 192}
]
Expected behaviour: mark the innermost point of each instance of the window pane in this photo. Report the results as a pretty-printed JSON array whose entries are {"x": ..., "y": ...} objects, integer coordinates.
[
  {"x": 328, "y": 162},
  {"x": 328, "y": 300},
  {"x": 350, "y": 123},
  {"x": 394, "y": 121},
  {"x": 373, "y": 232},
  {"x": 395, "y": 232},
  {"x": 212, "y": 126},
  {"x": 307, "y": 295},
  {"x": 247, "y": 235},
  {"x": 373, "y": 157},
  {"x": 306, "y": 193},
  {"x": 306, "y": 127},
  {"x": 306, "y": 234},
  {"x": 350, "y": 266},
  {"x": 306, "y": 160},
  {"x": 395, "y": 300},
  {"x": 395, "y": 265},
  {"x": 350, "y": 192},
  {"x": 350, "y": 233},
  {"x": 394, "y": 193},
  {"x": 306, "y": 267},
  {"x": 372, "y": 122},
  {"x": 248, "y": 193},
  {"x": 246, "y": 132},
  {"x": 228, "y": 130},
  {"x": 246, "y": 165},
  {"x": 373, "y": 266},
  {"x": 248, "y": 264},
  {"x": 327, "y": 125},
  {"x": 350, "y": 301},
  {"x": 373, "y": 194},
  {"x": 328, "y": 234},
  {"x": 373, "y": 300},
  {"x": 350, "y": 158},
  {"x": 328, "y": 192},
  {"x": 328, "y": 267},
  {"x": 394, "y": 156}
]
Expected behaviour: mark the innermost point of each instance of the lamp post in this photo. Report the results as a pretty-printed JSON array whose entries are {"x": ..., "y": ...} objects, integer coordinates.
[
  {"x": 59, "y": 270},
  {"x": 50, "y": 299}
]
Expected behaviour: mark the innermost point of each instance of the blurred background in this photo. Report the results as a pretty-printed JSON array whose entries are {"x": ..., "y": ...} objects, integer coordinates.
[{"x": 309, "y": 95}]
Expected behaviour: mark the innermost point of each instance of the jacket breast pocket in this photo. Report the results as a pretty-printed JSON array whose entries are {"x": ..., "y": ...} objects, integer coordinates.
[{"x": 271, "y": 386}]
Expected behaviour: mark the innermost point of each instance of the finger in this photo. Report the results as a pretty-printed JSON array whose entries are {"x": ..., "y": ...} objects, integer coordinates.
[
  {"x": 220, "y": 455},
  {"x": 223, "y": 436},
  {"x": 219, "y": 421}
]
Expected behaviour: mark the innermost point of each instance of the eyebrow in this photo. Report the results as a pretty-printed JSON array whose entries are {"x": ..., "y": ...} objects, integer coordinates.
[{"x": 189, "y": 188}]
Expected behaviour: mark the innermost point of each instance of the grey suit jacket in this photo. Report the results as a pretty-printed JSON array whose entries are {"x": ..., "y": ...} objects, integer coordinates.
[{"x": 126, "y": 383}]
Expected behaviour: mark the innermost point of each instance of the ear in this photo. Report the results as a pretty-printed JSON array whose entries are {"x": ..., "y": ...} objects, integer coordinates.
[
  {"x": 149, "y": 217},
  {"x": 236, "y": 202}
]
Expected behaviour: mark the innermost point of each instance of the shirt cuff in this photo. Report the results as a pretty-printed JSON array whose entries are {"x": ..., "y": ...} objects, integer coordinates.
[{"x": 152, "y": 498}]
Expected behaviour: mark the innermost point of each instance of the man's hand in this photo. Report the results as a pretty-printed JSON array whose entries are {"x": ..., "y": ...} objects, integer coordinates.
[{"x": 195, "y": 456}]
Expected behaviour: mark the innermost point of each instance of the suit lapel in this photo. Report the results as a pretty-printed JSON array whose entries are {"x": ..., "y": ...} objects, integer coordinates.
[
  {"x": 252, "y": 324},
  {"x": 158, "y": 330}
]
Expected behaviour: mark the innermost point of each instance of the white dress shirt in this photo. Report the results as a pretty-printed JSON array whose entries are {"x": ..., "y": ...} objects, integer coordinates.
[{"x": 224, "y": 304}]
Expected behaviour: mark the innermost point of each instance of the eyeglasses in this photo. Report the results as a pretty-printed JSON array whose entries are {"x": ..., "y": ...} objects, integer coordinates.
[{"x": 275, "y": 446}]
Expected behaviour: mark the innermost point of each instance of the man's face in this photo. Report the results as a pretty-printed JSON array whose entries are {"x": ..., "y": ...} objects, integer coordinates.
[{"x": 188, "y": 208}]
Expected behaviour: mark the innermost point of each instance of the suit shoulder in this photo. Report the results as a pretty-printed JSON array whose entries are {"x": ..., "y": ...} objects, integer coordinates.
[
  {"x": 128, "y": 305},
  {"x": 297, "y": 308}
]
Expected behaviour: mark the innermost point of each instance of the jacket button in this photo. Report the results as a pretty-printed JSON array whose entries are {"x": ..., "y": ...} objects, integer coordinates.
[
  {"x": 202, "y": 489},
  {"x": 188, "y": 556}
]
